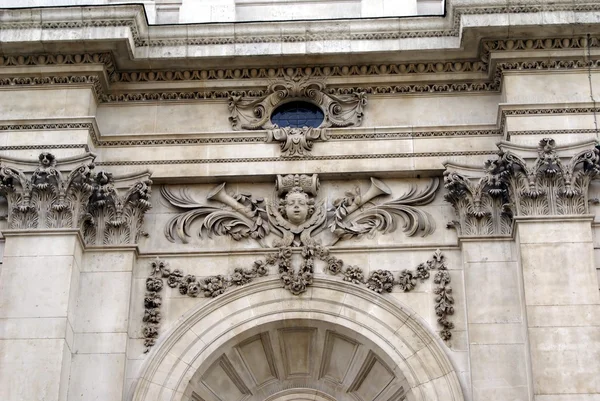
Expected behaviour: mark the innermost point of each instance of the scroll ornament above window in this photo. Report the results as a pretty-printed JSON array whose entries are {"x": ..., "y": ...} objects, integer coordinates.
[{"x": 296, "y": 139}]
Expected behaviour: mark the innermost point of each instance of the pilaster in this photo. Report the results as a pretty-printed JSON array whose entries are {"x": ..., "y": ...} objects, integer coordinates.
[
  {"x": 66, "y": 277},
  {"x": 543, "y": 287},
  {"x": 39, "y": 289}
]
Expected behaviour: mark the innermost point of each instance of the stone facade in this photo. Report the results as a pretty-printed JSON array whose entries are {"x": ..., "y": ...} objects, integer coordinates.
[{"x": 435, "y": 237}]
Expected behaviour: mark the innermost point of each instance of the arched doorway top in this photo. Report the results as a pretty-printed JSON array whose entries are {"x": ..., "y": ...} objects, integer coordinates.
[{"x": 414, "y": 351}]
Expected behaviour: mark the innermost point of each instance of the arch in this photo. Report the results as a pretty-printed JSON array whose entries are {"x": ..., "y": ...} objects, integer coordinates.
[{"x": 416, "y": 352}]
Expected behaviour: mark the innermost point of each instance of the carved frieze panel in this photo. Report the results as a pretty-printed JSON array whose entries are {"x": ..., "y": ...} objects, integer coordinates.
[
  {"x": 296, "y": 214},
  {"x": 69, "y": 193}
]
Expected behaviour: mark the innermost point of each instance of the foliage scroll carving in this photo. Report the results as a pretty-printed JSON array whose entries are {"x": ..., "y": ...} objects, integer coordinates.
[
  {"x": 339, "y": 110},
  {"x": 296, "y": 216}
]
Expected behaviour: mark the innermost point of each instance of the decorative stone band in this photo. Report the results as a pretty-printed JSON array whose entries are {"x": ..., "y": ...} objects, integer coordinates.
[
  {"x": 522, "y": 181},
  {"x": 296, "y": 281},
  {"x": 67, "y": 194}
]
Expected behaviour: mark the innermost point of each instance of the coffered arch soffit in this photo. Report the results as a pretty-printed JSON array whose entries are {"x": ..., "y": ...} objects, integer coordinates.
[{"x": 398, "y": 340}]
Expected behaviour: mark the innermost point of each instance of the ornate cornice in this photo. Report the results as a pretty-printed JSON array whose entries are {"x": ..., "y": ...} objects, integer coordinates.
[
  {"x": 471, "y": 73},
  {"x": 132, "y": 17}
]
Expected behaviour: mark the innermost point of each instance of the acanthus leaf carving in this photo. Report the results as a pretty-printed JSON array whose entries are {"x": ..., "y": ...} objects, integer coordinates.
[{"x": 296, "y": 216}]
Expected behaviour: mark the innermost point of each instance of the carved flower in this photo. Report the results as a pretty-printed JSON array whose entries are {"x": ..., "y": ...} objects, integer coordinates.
[
  {"x": 174, "y": 278},
  {"x": 214, "y": 286},
  {"x": 407, "y": 281},
  {"x": 241, "y": 276},
  {"x": 422, "y": 272},
  {"x": 150, "y": 331},
  {"x": 354, "y": 274},
  {"x": 285, "y": 252},
  {"x": 334, "y": 265},
  {"x": 152, "y": 316},
  {"x": 185, "y": 283},
  {"x": 154, "y": 284},
  {"x": 260, "y": 268},
  {"x": 442, "y": 277},
  {"x": 152, "y": 300},
  {"x": 380, "y": 281}
]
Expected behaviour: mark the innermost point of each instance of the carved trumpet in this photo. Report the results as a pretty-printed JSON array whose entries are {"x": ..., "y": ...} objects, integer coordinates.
[
  {"x": 219, "y": 194},
  {"x": 376, "y": 189}
]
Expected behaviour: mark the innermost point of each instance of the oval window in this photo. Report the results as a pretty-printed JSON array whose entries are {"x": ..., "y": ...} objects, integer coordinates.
[{"x": 297, "y": 115}]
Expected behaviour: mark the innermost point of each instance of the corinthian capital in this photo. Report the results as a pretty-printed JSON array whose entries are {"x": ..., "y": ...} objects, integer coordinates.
[
  {"x": 46, "y": 193},
  {"x": 480, "y": 199},
  {"x": 548, "y": 180},
  {"x": 116, "y": 209}
]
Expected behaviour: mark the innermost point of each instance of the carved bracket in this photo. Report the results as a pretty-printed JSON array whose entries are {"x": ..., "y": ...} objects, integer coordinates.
[
  {"x": 296, "y": 216},
  {"x": 295, "y": 281},
  {"x": 339, "y": 110}
]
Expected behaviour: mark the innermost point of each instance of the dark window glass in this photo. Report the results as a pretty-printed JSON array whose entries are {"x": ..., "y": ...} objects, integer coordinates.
[{"x": 298, "y": 115}]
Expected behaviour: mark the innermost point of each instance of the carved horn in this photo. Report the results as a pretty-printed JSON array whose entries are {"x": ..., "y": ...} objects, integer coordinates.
[
  {"x": 376, "y": 189},
  {"x": 219, "y": 194}
]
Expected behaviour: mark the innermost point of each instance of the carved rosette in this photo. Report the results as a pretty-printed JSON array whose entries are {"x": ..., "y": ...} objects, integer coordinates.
[
  {"x": 69, "y": 194},
  {"x": 524, "y": 181},
  {"x": 116, "y": 216}
]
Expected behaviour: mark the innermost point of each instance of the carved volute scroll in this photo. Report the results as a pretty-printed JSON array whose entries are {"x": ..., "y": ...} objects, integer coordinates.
[
  {"x": 116, "y": 208},
  {"x": 339, "y": 110},
  {"x": 523, "y": 181}
]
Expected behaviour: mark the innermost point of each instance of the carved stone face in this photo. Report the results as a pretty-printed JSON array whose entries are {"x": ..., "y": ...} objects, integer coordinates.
[
  {"x": 46, "y": 159},
  {"x": 296, "y": 208}
]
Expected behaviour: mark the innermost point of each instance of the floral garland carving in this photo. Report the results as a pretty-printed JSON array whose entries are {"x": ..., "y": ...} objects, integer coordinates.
[{"x": 295, "y": 281}]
